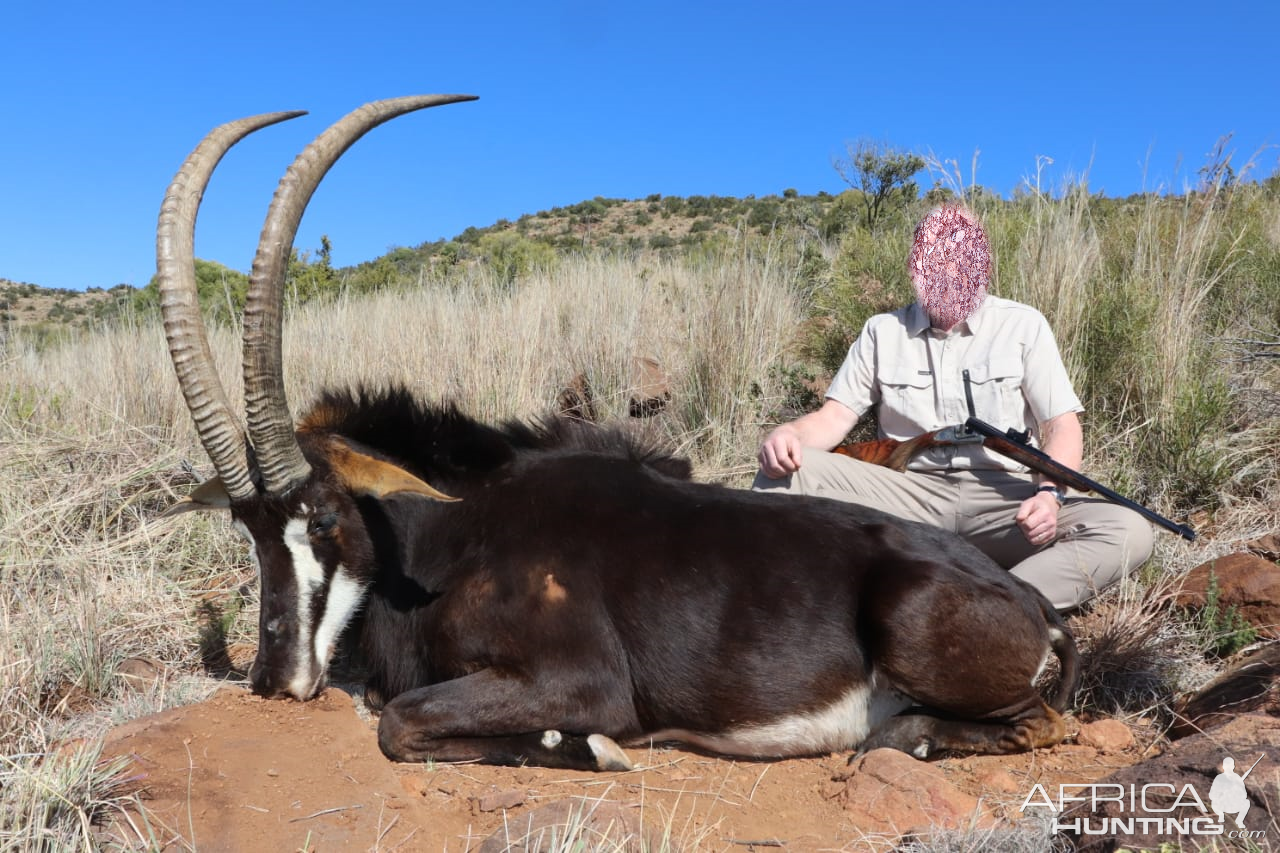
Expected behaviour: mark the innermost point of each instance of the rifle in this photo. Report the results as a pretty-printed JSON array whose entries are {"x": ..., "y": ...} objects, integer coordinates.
[{"x": 1008, "y": 443}]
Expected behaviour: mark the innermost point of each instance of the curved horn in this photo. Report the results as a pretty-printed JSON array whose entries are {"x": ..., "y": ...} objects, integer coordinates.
[
  {"x": 217, "y": 427},
  {"x": 279, "y": 457}
]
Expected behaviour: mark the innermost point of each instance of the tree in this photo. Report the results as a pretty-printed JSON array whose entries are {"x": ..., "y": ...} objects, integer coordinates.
[
  {"x": 879, "y": 171},
  {"x": 307, "y": 278}
]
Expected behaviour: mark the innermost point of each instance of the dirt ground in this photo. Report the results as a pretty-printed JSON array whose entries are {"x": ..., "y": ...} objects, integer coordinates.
[{"x": 239, "y": 773}]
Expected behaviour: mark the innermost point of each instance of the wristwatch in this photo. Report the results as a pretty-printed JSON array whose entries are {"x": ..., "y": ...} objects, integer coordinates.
[{"x": 1055, "y": 491}]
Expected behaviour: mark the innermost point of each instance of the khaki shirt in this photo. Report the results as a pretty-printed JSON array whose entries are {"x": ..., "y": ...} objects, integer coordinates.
[{"x": 914, "y": 372}]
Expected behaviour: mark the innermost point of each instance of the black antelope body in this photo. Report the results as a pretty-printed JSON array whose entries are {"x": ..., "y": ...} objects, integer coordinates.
[{"x": 534, "y": 592}]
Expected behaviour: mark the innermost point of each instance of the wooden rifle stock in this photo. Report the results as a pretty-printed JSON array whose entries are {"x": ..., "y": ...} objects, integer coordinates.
[
  {"x": 1013, "y": 445},
  {"x": 889, "y": 452}
]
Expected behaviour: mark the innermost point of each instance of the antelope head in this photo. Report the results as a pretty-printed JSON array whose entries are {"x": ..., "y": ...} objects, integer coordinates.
[{"x": 290, "y": 494}]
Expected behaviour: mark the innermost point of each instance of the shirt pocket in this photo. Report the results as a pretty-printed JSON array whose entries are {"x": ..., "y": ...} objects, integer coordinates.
[
  {"x": 908, "y": 401},
  {"x": 997, "y": 392}
]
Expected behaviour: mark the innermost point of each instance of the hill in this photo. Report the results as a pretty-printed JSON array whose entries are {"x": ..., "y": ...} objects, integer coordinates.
[
  {"x": 653, "y": 224},
  {"x": 53, "y": 310}
]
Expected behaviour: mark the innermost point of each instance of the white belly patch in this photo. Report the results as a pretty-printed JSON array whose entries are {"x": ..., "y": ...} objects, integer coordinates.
[{"x": 841, "y": 725}]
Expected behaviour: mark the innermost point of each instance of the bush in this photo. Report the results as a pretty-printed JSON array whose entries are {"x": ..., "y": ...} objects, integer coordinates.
[
  {"x": 672, "y": 206},
  {"x": 512, "y": 256},
  {"x": 764, "y": 214},
  {"x": 222, "y": 292},
  {"x": 1221, "y": 629}
]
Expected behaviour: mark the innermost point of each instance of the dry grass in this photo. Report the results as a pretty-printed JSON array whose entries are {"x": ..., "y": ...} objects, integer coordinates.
[
  {"x": 1026, "y": 836},
  {"x": 1133, "y": 655}
]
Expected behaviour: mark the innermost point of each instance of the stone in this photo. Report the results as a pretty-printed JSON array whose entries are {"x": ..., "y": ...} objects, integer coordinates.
[
  {"x": 1105, "y": 736},
  {"x": 498, "y": 800},
  {"x": 1267, "y": 547},
  {"x": 1246, "y": 582},
  {"x": 577, "y": 401},
  {"x": 650, "y": 388},
  {"x": 139, "y": 674},
  {"x": 887, "y": 792},
  {"x": 999, "y": 780}
]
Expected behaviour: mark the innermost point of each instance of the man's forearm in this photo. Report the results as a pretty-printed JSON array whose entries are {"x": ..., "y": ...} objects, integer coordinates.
[
  {"x": 1063, "y": 440},
  {"x": 825, "y": 428}
]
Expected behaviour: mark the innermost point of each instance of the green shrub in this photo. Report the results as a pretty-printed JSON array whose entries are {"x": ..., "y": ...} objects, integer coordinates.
[
  {"x": 672, "y": 206},
  {"x": 1221, "y": 629},
  {"x": 512, "y": 256},
  {"x": 222, "y": 292}
]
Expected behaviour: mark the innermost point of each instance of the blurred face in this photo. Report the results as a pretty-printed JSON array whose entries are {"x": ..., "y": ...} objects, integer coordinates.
[{"x": 950, "y": 265}]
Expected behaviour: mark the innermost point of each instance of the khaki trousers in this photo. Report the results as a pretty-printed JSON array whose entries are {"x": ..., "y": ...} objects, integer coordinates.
[{"x": 1098, "y": 542}]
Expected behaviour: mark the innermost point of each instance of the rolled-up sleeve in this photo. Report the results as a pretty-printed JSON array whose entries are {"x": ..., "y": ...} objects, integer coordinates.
[
  {"x": 1046, "y": 384},
  {"x": 855, "y": 382}
]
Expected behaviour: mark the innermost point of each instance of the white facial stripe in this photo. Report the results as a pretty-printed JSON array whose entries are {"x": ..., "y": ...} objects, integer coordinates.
[
  {"x": 309, "y": 575},
  {"x": 345, "y": 595}
]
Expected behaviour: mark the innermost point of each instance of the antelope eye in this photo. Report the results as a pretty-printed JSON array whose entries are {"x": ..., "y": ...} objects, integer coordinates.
[{"x": 323, "y": 525}]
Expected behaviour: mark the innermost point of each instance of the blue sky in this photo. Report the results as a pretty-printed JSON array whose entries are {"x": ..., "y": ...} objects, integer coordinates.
[{"x": 102, "y": 101}]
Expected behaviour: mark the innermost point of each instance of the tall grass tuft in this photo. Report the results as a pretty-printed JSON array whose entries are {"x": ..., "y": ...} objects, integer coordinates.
[
  {"x": 55, "y": 801},
  {"x": 1134, "y": 655}
]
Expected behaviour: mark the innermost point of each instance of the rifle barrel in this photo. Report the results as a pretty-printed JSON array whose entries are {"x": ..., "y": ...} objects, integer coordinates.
[{"x": 1036, "y": 460}]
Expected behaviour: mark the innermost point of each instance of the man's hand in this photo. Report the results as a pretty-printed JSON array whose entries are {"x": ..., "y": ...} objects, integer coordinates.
[
  {"x": 1062, "y": 439},
  {"x": 1038, "y": 518},
  {"x": 781, "y": 453}
]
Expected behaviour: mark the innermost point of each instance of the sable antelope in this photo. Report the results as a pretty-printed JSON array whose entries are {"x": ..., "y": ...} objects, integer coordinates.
[{"x": 531, "y": 592}]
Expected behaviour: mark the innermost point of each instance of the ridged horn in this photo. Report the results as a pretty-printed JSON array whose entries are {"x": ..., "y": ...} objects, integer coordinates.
[
  {"x": 279, "y": 457},
  {"x": 216, "y": 425}
]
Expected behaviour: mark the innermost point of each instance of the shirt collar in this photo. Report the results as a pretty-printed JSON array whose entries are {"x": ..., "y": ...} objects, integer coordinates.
[{"x": 918, "y": 320}]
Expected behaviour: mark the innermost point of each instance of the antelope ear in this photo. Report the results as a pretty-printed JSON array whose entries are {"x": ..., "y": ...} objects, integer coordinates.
[
  {"x": 211, "y": 494},
  {"x": 364, "y": 475}
]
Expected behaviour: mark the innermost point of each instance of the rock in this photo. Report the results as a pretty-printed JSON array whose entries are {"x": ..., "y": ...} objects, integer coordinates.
[
  {"x": 1252, "y": 685},
  {"x": 999, "y": 780},
  {"x": 580, "y": 823},
  {"x": 1267, "y": 547},
  {"x": 497, "y": 800},
  {"x": 139, "y": 674},
  {"x": 650, "y": 388},
  {"x": 1159, "y": 801},
  {"x": 1246, "y": 582},
  {"x": 887, "y": 792},
  {"x": 577, "y": 401},
  {"x": 1105, "y": 736}
]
